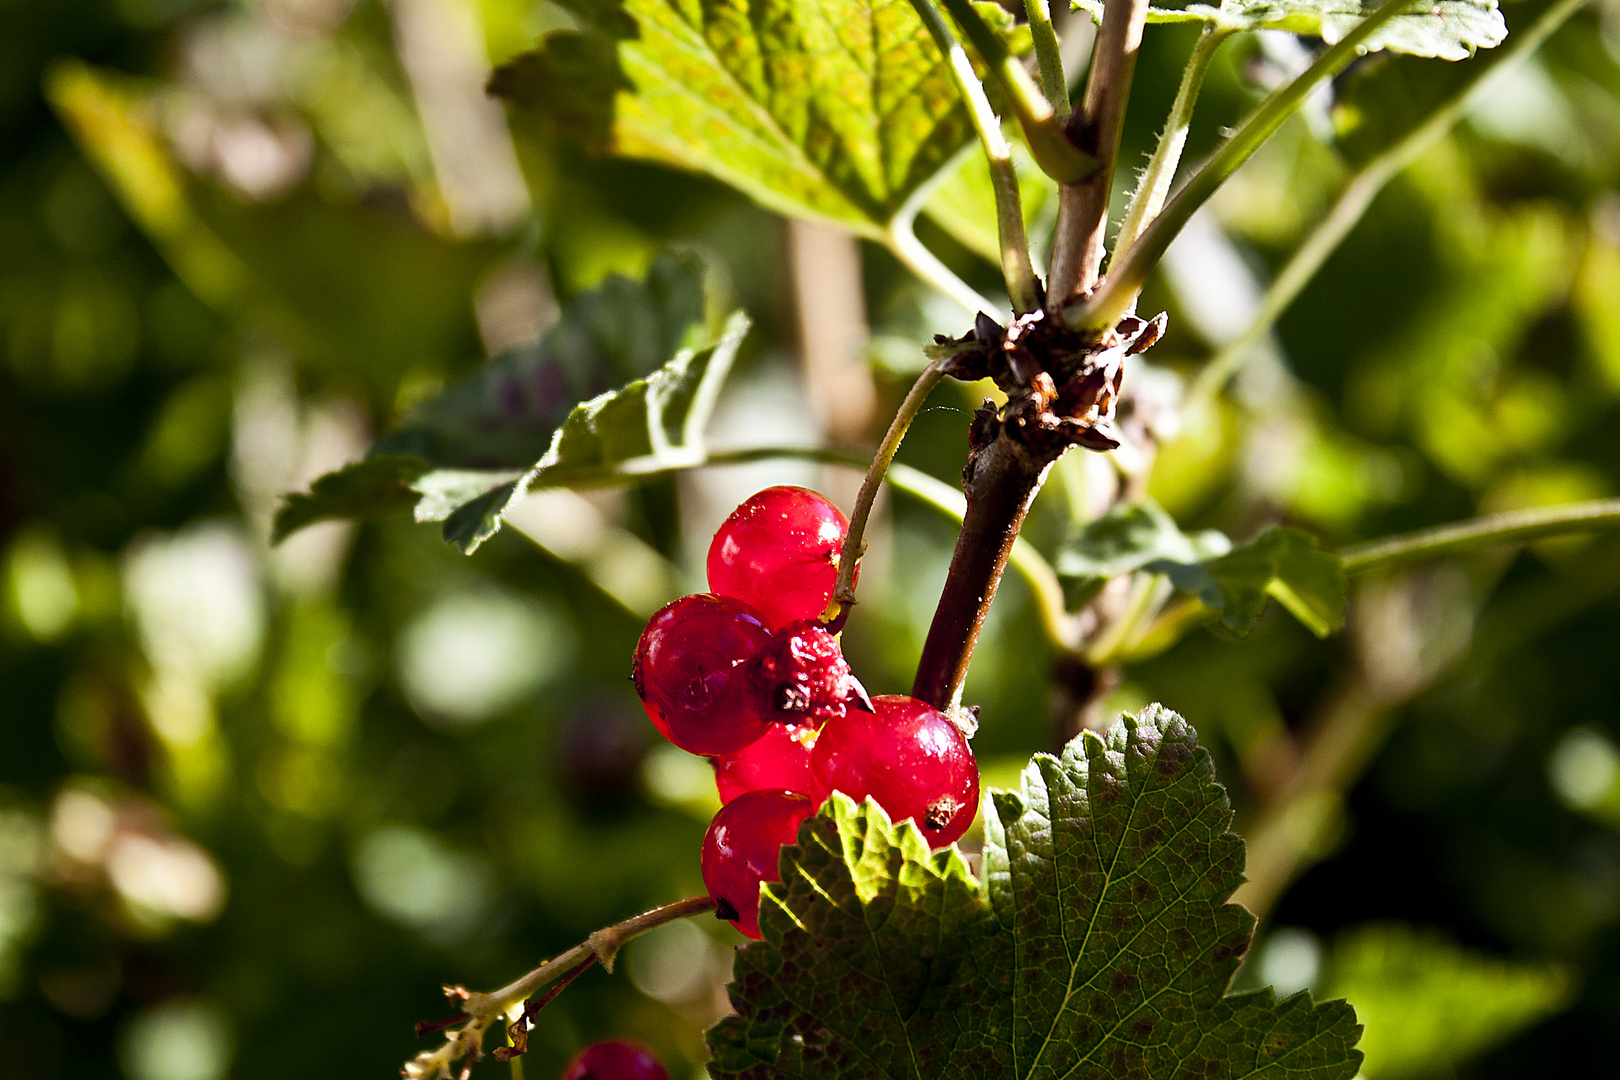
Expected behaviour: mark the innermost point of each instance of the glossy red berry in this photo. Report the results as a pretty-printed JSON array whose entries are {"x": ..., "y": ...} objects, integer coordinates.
[
  {"x": 803, "y": 678},
  {"x": 778, "y": 552},
  {"x": 692, "y": 672},
  {"x": 615, "y": 1059},
  {"x": 742, "y": 848},
  {"x": 781, "y": 759},
  {"x": 906, "y": 755}
]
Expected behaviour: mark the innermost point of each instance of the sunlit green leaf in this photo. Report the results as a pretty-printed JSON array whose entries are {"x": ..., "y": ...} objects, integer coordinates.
[
  {"x": 1099, "y": 944},
  {"x": 1449, "y": 29},
  {"x": 1429, "y": 1005},
  {"x": 829, "y": 109},
  {"x": 1280, "y": 564}
]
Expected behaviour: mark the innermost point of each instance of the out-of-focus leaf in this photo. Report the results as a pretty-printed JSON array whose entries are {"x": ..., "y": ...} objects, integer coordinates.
[
  {"x": 349, "y": 288},
  {"x": 650, "y": 425},
  {"x": 114, "y": 121},
  {"x": 1100, "y": 942},
  {"x": 1129, "y": 537},
  {"x": 827, "y": 109},
  {"x": 1428, "y": 1005},
  {"x": 1280, "y": 564},
  {"x": 1448, "y": 29},
  {"x": 373, "y": 488},
  {"x": 504, "y": 414}
]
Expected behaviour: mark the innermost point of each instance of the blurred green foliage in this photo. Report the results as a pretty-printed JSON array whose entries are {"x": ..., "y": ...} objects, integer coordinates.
[{"x": 258, "y": 803}]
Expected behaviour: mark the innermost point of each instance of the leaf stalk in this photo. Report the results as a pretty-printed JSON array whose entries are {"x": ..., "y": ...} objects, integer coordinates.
[
  {"x": 1117, "y": 293},
  {"x": 855, "y": 538},
  {"x": 1016, "y": 268},
  {"x": 1513, "y": 527},
  {"x": 1359, "y": 194},
  {"x": 1161, "y": 171},
  {"x": 1048, "y": 143},
  {"x": 1049, "y": 57}
]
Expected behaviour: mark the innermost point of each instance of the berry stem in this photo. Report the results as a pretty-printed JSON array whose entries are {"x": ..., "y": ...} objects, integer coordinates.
[
  {"x": 854, "y": 540},
  {"x": 483, "y": 1010}
]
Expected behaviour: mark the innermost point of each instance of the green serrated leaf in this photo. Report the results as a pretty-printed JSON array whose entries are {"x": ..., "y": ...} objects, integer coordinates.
[
  {"x": 828, "y": 109},
  {"x": 1099, "y": 944},
  {"x": 647, "y": 426},
  {"x": 1447, "y": 29},
  {"x": 518, "y": 423},
  {"x": 1280, "y": 564},
  {"x": 503, "y": 415},
  {"x": 373, "y": 488},
  {"x": 1128, "y": 537},
  {"x": 1430, "y": 1005}
]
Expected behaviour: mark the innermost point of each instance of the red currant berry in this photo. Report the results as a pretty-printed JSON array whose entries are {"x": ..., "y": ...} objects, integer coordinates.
[
  {"x": 909, "y": 757},
  {"x": 742, "y": 848},
  {"x": 803, "y": 678},
  {"x": 691, "y": 670},
  {"x": 779, "y": 552},
  {"x": 615, "y": 1059},
  {"x": 779, "y": 760}
]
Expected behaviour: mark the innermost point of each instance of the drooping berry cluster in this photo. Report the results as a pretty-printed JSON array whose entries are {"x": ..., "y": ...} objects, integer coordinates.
[{"x": 748, "y": 676}]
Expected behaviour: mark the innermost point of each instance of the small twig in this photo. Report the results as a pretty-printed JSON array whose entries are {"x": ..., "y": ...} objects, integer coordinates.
[
  {"x": 1049, "y": 144},
  {"x": 517, "y": 1032},
  {"x": 1015, "y": 264},
  {"x": 482, "y": 1010},
  {"x": 855, "y": 539},
  {"x": 1358, "y": 195},
  {"x": 1161, "y": 170},
  {"x": 1116, "y": 295},
  {"x": 1049, "y": 55},
  {"x": 1095, "y": 127},
  {"x": 1510, "y": 528}
]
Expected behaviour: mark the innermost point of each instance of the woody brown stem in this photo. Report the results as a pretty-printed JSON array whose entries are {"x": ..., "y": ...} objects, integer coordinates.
[{"x": 1001, "y": 482}]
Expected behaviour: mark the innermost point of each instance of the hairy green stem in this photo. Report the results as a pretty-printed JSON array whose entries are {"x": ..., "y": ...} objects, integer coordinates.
[
  {"x": 1513, "y": 527},
  {"x": 1016, "y": 268},
  {"x": 1117, "y": 293},
  {"x": 855, "y": 538},
  {"x": 1161, "y": 171},
  {"x": 1043, "y": 130},
  {"x": 901, "y": 237},
  {"x": 1048, "y": 56},
  {"x": 1358, "y": 195}
]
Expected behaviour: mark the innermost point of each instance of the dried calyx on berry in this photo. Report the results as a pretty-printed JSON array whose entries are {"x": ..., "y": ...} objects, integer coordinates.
[{"x": 802, "y": 677}]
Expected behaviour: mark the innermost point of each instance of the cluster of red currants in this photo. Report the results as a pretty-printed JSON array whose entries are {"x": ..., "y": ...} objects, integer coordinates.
[{"x": 750, "y": 676}]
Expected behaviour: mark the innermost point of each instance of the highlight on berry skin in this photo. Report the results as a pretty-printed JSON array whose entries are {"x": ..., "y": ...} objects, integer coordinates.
[
  {"x": 778, "y": 552},
  {"x": 691, "y": 670},
  {"x": 742, "y": 849},
  {"x": 615, "y": 1059}
]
